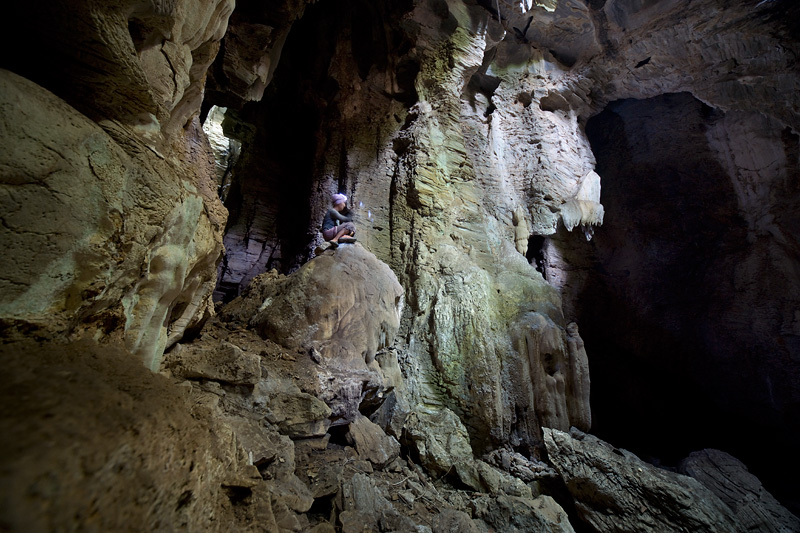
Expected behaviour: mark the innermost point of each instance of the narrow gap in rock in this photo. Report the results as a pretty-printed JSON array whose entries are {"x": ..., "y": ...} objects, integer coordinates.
[
  {"x": 184, "y": 500},
  {"x": 322, "y": 508},
  {"x": 237, "y": 495},
  {"x": 535, "y": 254},
  {"x": 339, "y": 435}
]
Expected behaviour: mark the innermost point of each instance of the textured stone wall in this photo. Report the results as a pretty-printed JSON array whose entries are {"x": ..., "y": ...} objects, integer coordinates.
[
  {"x": 459, "y": 118},
  {"x": 111, "y": 217}
]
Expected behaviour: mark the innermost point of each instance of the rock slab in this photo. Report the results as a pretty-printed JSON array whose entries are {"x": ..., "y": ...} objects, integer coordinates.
[
  {"x": 615, "y": 491},
  {"x": 753, "y": 507}
]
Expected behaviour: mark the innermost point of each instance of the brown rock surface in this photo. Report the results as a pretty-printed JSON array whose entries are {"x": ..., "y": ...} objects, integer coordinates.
[
  {"x": 226, "y": 363},
  {"x": 88, "y": 429}
]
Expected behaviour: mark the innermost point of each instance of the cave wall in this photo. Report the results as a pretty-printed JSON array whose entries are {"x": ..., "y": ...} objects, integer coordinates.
[
  {"x": 440, "y": 119},
  {"x": 457, "y": 129},
  {"x": 111, "y": 217},
  {"x": 492, "y": 121}
]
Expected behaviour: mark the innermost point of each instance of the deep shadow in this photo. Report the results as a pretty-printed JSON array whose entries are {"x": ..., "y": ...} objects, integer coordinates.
[{"x": 652, "y": 296}]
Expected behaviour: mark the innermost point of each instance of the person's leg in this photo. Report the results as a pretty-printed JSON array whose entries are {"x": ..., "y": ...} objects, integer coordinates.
[
  {"x": 329, "y": 234},
  {"x": 349, "y": 235},
  {"x": 343, "y": 231}
]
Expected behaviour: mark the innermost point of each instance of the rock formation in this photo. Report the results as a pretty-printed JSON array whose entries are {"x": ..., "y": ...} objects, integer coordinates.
[
  {"x": 100, "y": 442},
  {"x": 424, "y": 378},
  {"x": 108, "y": 173},
  {"x": 615, "y": 491},
  {"x": 754, "y": 509},
  {"x": 461, "y": 114}
]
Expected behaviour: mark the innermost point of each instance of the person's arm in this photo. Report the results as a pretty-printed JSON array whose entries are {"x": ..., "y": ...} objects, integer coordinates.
[{"x": 340, "y": 217}]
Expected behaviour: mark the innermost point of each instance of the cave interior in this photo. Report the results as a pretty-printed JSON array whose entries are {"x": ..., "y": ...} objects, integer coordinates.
[{"x": 687, "y": 294}]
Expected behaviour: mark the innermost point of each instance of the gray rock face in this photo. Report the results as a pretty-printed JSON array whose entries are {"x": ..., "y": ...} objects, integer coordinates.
[
  {"x": 451, "y": 521},
  {"x": 754, "y": 509},
  {"x": 372, "y": 443},
  {"x": 517, "y": 515},
  {"x": 299, "y": 414},
  {"x": 364, "y": 506},
  {"x": 440, "y": 439},
  {"x": 615, "y": 491}
]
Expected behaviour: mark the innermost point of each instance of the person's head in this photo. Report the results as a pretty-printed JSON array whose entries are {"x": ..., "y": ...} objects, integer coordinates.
[{"x": 339, "y": 201}]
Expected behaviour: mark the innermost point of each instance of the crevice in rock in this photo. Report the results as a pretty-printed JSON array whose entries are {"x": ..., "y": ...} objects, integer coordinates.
[{"x": 237, "y": 495}]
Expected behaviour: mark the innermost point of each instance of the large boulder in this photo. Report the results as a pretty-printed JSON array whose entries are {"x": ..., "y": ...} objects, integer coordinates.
[
  {"x": 345, "y": 304},
  {"x": 753, "y": 507},
  {"x": 365, "y": 507},
  {"x": 326, "y": 322},
  {"x": 616, "y": 491},
  {"x": 372, "y": 443},
  {"x": 439, "y": 439}
]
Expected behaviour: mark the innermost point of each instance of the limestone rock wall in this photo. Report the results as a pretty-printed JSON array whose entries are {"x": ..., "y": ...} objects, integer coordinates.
[
  {"x": 484, "y": 329},
  {"x": 111, "y": 216},
  {"x": 462, "y": 123}
]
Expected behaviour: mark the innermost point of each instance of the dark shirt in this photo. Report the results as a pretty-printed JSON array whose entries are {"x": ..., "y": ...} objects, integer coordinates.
[{"x": 333, "y": 217}]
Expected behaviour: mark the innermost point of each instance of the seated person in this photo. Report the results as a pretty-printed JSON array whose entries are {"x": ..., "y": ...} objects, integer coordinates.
[{"x": 338, "y": 223}]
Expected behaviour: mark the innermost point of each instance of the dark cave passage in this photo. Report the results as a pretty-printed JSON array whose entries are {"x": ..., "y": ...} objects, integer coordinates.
[{"x": 673, "y": 295}]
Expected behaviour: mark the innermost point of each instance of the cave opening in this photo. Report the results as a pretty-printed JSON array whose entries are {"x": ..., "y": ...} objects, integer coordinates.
[
  {"x": 665, "y": 291},
  {"x": 535, "y": 254}
]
